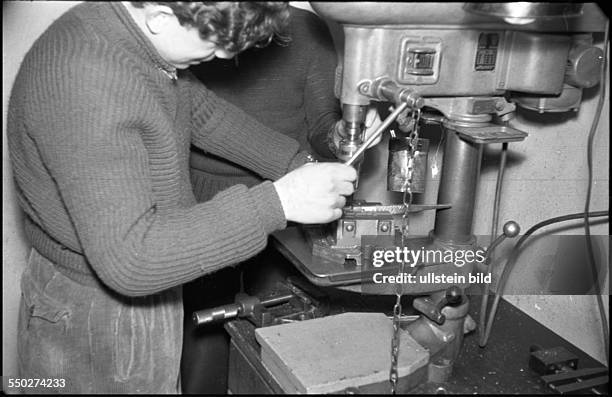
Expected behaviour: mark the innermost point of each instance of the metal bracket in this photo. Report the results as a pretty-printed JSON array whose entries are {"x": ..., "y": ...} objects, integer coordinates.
[{"x": 490, "y": 133}]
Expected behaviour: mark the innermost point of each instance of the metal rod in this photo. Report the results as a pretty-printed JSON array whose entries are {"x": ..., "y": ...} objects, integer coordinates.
[
  {"x": 377, "y": 133},
  {"x": 277, "y": 300}
]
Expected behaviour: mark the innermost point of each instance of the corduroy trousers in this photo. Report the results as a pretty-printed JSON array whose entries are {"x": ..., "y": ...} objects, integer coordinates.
[{"x": 88, "y": 339}]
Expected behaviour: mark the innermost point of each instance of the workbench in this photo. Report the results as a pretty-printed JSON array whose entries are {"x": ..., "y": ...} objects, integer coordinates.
[
  {"x": 502, "y": 367},
  {"x": 499, "y": 368}
]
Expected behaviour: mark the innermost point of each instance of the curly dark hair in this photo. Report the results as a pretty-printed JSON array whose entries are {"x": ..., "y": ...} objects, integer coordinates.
[{"x": 233, "y": 25}]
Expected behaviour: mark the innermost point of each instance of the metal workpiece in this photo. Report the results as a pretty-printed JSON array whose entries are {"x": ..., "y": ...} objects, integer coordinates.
[
  {"x": 406, "y": 171},
  {"x": 458, "y": 183},
  {"x": 376, "y": 210},
  {"x": 363, "y": 219}
]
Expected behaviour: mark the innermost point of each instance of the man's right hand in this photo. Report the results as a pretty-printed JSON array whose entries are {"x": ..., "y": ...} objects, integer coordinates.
[{"x": 315, "y": 192}]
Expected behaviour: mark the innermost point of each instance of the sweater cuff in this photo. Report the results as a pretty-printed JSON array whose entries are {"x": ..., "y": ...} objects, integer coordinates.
[
  {"x": 299, "y": 160},
  {"x": 269, "y": 206}
]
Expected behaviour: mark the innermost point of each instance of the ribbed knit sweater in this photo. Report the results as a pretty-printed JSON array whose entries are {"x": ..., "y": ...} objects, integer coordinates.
[
  {"x": 99, "y": 136},
  {"x": 288, "y": 87}
]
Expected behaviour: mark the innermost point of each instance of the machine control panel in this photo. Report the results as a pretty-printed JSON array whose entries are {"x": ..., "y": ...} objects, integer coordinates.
[{"x": 419, "y": 60}]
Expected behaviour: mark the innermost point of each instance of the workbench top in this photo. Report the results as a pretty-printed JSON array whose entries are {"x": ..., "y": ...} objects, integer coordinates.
[{"x": 499, "y": 368}]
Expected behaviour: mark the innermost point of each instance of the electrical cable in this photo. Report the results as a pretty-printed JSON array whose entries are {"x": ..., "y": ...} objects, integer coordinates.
[
  {"x": 514, "y": 256},
  {"x": 587, "y": 227}
]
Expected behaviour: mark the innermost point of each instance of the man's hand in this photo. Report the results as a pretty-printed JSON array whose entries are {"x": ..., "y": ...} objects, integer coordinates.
[{"x": 314, "y": 193}]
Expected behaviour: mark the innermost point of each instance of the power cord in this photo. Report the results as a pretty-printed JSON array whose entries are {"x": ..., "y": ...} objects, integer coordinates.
[{"x": 587, "y": 226}]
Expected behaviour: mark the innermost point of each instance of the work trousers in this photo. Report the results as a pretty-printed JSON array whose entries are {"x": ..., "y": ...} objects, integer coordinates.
[{"x": 89, "y": 339}]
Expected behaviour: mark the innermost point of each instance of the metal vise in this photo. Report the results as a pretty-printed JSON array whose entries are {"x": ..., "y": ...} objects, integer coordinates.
[{"x": 287, "y": 303}]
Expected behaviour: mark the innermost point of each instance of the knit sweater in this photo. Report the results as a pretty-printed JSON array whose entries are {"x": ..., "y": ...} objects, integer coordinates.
[
  {"x": 99, "y": 136},
  {"x": 288, "y": 87}
]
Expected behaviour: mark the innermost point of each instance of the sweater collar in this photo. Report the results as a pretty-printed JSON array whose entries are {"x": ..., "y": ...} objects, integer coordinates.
[{"x": 143, "y": 40}]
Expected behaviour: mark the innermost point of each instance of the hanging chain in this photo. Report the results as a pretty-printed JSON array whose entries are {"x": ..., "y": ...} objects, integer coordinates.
[{"x": 407, "y": 201}]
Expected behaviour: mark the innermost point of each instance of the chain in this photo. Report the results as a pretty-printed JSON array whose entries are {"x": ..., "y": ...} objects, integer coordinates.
[{"x": 407, "y": 201}]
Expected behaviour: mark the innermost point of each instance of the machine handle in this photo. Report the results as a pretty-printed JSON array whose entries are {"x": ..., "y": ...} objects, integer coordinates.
[
  {"x": 245, "y": 305},
  {"x": 432, "y": 310},
  {"x": 215, "y": 314},
  {"x": 511, "y": 229}
]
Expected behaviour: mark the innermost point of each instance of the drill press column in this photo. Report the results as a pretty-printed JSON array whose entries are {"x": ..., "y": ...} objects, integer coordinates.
[{"x": 458, "y": 184}]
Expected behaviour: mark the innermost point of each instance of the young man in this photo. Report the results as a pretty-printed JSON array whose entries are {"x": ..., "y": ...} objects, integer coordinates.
[
  {"x": 100, "y": 121},
  {"x": 287, "y": 86}
]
